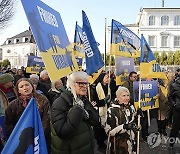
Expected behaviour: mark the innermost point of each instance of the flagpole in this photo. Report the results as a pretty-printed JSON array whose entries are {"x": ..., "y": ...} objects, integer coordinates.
[
  {"x": 139, "y": 117},
  {"x": 105, "y": 46}
]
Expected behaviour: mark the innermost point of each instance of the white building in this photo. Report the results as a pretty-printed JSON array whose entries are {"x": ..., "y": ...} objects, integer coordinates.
[
  {"x": 17, "y": 48},
  {"x": 160, "y": 27}
]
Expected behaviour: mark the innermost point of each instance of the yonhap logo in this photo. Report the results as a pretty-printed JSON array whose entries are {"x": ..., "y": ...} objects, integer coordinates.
[{"x": 154, "y": 140}]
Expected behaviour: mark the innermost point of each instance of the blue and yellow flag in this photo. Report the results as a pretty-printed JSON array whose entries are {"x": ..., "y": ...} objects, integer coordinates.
[
  {"x": 34, "y": 64},
  {"x": 78, "y": 44},
  {"x": 28, "y": 134},
  {"x": 148, "y": 65},
  {"x": 94, "y": 61},
  {"x": 50, "y": 35},
  {"x": 123, "y": 41}
]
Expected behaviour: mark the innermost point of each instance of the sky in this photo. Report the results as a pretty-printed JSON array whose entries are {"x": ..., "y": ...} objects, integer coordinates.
[{"x": 124, "y": 11}]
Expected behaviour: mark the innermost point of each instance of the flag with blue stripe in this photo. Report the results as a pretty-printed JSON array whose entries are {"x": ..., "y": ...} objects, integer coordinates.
[
  {"x": 28, "y": 134},
  {"x": 94, "y": 61},
  {"x": 123, "y": 41}
]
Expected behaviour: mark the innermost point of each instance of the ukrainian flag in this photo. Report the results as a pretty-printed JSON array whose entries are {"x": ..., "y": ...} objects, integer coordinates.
[{"x": 123, "y": 41}]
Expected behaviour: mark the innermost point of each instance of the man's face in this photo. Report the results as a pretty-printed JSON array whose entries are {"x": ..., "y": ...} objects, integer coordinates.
[
  {"x": 8, "y": 84},
  {"x": 133, "y": 77}
]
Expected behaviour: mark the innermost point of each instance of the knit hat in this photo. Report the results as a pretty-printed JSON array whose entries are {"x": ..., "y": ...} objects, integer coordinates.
[{"x": 5, "y": 78}]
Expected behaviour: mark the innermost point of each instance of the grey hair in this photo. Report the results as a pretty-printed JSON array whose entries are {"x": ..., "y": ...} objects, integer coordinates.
[
  {"x": 75, "y": 76},
  {"x": 121, "y": 89},
  {"x": 34, "y": 76},
  {"x": 43, "y": 73}
]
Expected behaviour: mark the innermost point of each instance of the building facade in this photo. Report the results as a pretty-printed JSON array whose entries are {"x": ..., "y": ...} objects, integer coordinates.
[
  {"x": 17, "y": 48},
  {"x": 160, "y": 27}
]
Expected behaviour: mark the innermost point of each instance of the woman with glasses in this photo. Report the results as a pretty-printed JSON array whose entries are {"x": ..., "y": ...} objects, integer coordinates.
[{"x": 73, "y": 117}]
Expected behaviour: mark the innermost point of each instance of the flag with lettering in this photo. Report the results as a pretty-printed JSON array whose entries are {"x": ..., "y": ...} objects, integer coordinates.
[
  {"x": 149, "y": 95},
  {"x": 51, "y": 37},
  {"x": 78, "y": 44},
  {"x": 35, "y": 64},
  {"x": 124, "y": 66},
  {"x": 94, "y": 61},
  {"x": 149, "y": 68},
  {"x": 28, "y": 134},
  {"x": 123, "y": 41}
]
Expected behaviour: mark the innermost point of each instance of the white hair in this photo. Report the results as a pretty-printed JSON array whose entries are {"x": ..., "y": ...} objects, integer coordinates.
[
  {"x": 34, "y": 76},
  {"x": 121, "y": 89},
  {"x": 43, "y": 73},
  {"x": 75, "y": 76}
]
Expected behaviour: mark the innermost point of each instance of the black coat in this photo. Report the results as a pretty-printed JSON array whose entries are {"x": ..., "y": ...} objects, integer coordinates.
[{"x": 74, "y": 133}]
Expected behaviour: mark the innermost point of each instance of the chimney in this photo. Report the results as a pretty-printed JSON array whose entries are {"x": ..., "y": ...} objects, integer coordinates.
[{"x": 162, "y": 3}]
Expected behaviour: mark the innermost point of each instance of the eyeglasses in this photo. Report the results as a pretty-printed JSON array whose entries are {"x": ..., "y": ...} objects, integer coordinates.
[{"x": 81, "y": 84}]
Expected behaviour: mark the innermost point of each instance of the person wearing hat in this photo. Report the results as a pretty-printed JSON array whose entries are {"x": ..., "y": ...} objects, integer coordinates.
[{"x": 7, "y": 92}]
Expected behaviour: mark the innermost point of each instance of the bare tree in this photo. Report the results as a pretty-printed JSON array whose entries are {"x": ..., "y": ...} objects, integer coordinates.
[{"x": 6, "y": 12}]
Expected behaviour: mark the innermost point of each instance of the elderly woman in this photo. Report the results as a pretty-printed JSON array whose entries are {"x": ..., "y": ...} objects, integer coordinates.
[
  {"x": 120, "y": 124},
  {"x": 55, "y": 91},
  {"x": 15, "y": 109},
  {"x": 73, "y": 117}
]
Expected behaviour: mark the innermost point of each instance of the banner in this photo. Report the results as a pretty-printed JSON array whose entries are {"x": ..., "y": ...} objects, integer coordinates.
[
  {"x": 28, "y": 134},
  {"x": 34, "y": 64},
  {"x": 123, "y": 41},
  {"x": 94, "y": 62},
  {"x": 148, "y": 65},
  {"x": 78, "y": 44},
  {"x": 149, "y": 95},
  {"x": 123, "y": 67},
  {"x": 50, "y": 35}
]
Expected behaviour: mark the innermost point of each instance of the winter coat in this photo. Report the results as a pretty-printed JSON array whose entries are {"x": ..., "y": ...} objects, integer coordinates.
[
  {"x": 117, "y": 116},
  {"x": 71, "y": 133},
  {"x": 15, "y": 110}
]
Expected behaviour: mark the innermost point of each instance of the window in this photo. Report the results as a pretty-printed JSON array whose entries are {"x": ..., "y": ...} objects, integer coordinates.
[
  {"x": 151, "y": 41},
  {"x": 176, "y": 41},
  {"x": 26, "y": 39},
  {"x": 177, "y": 20},
  {"x": 164, "y": 41},
  {"x": 151, "y": 20},
  {"x": 164, "y": 20},
  {"x": 8, "y": 51}
]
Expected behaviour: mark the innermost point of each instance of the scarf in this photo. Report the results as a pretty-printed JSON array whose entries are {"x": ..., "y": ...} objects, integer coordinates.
[{"x": 25, "y": 99}]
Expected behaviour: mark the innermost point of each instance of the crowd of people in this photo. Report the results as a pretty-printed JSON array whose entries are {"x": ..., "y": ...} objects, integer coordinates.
[{"x": 76, "y": 115}]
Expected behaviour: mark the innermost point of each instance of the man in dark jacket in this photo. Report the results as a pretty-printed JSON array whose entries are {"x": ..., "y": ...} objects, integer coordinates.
[
  {"x": 174, "y": 100},
  {"x": 72, "y": 118},
  {"x": 129, "y": 85}
]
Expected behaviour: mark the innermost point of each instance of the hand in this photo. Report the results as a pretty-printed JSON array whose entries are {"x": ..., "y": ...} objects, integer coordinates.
[
  {"x": 79, "y": 102},
  {"x": 131, "y": 126},
  {"x": 107, "y": 98},
  {"x": 140, "y": 112}
]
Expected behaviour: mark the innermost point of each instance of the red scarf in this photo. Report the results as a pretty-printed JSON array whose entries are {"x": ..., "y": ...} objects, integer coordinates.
[{"x": 26, "y": 99}]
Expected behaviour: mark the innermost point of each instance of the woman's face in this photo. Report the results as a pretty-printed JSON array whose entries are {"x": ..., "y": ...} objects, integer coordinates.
[
  {"x": 124, "y": 97},
  {"x": 106, "y": 79},
  {"x": 25, "y": 88},
  {"x": 81, "y": 87}
]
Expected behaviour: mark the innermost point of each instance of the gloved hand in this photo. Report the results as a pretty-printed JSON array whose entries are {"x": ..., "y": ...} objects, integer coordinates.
[
  {"x": 114, "y": 131},
  {"x": 79, "y": 102},
  {"x": 140, "y": 112},
  {"x": 107, "y": 98},
  {"x": 131, "y": 126}
]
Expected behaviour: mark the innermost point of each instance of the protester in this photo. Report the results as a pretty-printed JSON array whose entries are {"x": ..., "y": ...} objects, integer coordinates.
[
  {"x": 120, "y": 124},
  {"x": 73, "y": 117},
  {"x": 7, "y": 91},
  {"x": 102, "y": 98},
  {"x": 15, "y": 109},
  {"x": 129, "y": 85},
  {"x": 19, "y": 74},
  {"x": 55, "y": 91},
  {"x": 174, "y": 100},
  {"x": 44, "y": 83}
]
